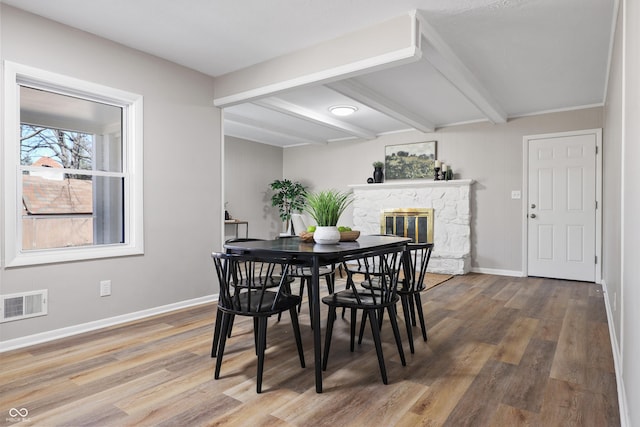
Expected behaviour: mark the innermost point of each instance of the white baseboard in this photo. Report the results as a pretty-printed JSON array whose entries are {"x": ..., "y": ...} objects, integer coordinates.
[
  {"x": 497, "y": 272},
  {"x": 617, "y": 361},
  {"x": 98, "y": 324}
]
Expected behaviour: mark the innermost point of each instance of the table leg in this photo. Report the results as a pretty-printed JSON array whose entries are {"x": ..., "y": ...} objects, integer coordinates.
[{"x": 315, "y": 322}]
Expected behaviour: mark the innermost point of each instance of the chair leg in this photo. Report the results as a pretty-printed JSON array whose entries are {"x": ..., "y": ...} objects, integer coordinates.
[
  {"x": 363, "y": 322},
  {"x": 327, "y": 336},
  {"x": 330, "y": 278},
  {"x": 256, "y": 338},
  {"x": 230, "y": 326},
  {"x": 373, "y": 321},
  {"x": 296, "y": 333},
  {"x": 412, "y": 311},
  {"x": 421, "y": 315},
  {"x": 216, "y": 333},
  {"x": 393, "y": 314},
  {"x": 262, "y": 344},
  {"x": 226, "y": 318},
  {"x": 352, "y": 328},
  {"x": 302, "y": 283},
  {"x": 309, "y": 290},
  {"x": 407, "y": 319}
]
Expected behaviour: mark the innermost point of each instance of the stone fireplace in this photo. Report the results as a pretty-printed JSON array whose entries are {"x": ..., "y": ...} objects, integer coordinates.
[{"x": 451, "y": 227}]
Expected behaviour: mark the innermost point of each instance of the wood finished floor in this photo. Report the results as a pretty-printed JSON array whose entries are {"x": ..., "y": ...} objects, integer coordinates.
[{"x": 502, "y": 351}]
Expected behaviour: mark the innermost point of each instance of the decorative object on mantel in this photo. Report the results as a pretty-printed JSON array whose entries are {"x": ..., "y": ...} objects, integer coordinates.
[
  {"x": 410, "y": 161},
  {"x": 369, "y": 180},
  {"x": 443, "y": 172},
  {"x": 289, "y": 197},
  {"x": 378, "y": 174},
  {"x": 326, "y": 207}
]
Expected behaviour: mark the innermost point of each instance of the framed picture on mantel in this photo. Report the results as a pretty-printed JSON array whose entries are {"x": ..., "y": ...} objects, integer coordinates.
[{"x": 410, "y": 161}]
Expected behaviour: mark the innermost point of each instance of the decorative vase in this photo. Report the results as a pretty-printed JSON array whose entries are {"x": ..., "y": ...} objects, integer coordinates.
[
  {"x": 378, "y": 175},
  {"x": 327, "y": 235}
]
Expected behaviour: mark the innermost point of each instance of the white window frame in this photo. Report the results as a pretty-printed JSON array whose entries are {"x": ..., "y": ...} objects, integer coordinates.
[{"x": 132, "y": 166}]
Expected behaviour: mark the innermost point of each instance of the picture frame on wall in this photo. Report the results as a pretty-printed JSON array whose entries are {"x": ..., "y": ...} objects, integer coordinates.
[{"x": 414, "y": 160}]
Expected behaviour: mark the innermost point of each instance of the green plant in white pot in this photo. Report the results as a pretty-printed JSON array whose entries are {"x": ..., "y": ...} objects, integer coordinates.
[{"x": 326, "y": 207}]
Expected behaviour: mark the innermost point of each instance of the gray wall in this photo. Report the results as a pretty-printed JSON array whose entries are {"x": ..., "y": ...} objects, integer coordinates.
[
  {"x": 182, "y": 180},
  {"x": 630, "y": 302},
  {"x": 621, "y": 231},
  {"x": 489, "y": 154},
  {"x": 611, "y": 183},
  {"x": 249, "y": 169}
]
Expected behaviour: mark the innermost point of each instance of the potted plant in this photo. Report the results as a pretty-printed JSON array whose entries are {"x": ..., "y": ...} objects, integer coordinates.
[
  {"x": 289, "y": 197},
  {"x": 326, "y": 207},
  {"x": 378, "y": 175}
]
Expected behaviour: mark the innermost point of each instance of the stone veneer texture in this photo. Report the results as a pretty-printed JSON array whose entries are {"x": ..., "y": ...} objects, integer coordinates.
[{"x": 450, "y": 201}]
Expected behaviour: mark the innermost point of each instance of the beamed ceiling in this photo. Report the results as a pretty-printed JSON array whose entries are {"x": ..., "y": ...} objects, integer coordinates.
[{"x": 405, "y": 65}]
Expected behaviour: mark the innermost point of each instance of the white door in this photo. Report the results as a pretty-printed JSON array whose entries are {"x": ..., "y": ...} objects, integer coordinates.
[{"x": 561, "y": 207}]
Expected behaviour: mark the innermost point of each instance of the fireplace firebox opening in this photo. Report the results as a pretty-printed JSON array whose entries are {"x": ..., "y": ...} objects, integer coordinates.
[{"x": 416, "y": 223}]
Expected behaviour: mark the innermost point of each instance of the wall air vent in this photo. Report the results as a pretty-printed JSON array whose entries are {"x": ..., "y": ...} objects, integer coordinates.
[{"x": 23, "y": 305}]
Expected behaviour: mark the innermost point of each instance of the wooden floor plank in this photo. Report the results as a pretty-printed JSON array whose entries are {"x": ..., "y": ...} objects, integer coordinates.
[
  {"x": 484, "y": 395},
  {"x": 526, "y": 389},
  {"x": 515, "y": 342},
  {"x": 502, "y": 351},
  {"x": 570, "y": 360}
]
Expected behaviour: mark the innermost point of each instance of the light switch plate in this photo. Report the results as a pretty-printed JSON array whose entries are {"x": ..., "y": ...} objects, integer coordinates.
[
  {"x": 515, "y": 194},
  {"x": 105, "y": 288}
]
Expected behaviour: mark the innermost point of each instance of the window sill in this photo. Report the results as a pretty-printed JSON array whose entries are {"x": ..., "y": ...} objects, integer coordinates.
[{"x": 51, "y": 256}]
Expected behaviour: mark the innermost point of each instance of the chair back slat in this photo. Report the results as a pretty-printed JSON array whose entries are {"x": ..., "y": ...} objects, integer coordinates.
[
  {"x": 416, "y": 264},
  {"x": 381, "y": 270},
  {"x": 247, "y": 285}
]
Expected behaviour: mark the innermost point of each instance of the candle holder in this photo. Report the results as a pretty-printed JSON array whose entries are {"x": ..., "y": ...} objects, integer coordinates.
[{"x": 436, "y": 175}]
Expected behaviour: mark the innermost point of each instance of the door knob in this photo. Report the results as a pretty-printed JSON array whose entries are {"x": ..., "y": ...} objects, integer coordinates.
[
  {"x": 533, "y": 205},
  {"x": 533, "y": 215}
]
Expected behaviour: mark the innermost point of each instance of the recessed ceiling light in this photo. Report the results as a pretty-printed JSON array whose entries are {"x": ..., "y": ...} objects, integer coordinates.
[{"x": 343, "y": 110}]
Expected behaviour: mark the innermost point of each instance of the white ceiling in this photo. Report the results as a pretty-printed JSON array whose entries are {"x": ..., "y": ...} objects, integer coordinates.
[{"x": 518, "y": 57}]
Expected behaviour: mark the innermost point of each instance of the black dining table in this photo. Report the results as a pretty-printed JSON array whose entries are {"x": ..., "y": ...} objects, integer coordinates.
[{"x": 314, "y": 255}]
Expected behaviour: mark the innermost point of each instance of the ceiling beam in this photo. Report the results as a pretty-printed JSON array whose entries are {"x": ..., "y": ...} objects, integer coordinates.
[
  {"x": 384, "y": 45},
  {"x": 269, "y": 128},
  {"x": 372, "y": 99},
  {"x": 443, "y": 58},
  {"x": 295, "y": 110}
]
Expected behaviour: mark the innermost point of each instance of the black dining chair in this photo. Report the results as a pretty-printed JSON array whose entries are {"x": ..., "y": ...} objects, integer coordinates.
[
  {"x": 371, "y": 300},
  {"x": 360, "y": 266},
  {"x": 415, "y": 270},
  {"x": 253, "y": 298},
  {"x": 305, "y": 275},
  {"x": 266, "y": 273}
]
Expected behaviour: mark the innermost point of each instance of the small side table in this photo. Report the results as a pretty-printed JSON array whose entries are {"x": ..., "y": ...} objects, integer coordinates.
[{"x": 238, "y": 222}]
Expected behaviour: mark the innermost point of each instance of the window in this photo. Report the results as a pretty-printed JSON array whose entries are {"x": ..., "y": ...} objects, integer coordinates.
[{"x": 73, "y": 169}]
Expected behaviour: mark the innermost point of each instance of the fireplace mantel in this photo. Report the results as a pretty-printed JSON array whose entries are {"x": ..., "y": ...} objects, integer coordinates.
[
  {"x": 450, "y": 201},
  {"x": 414, "y": 184}
]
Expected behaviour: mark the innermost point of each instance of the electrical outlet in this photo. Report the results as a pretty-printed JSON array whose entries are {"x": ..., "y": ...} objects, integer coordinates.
[
  {"x": 515, "y": 194},
  {"x": 105, "y": 288}
]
